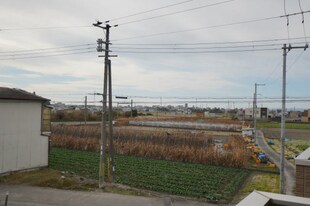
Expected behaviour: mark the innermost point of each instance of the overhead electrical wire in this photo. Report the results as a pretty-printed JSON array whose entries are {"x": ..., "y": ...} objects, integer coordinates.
[
  {"x": 194, "y": 48},
  {"x": 148, "y": 11},
  {"x": 303, "y": 21},
  {"x": 210, "y": 27},
  {"x": 195, "y": 52},
  {"x": 287, "y": 22},
  {"x": 173, "y": 13},
  {"x": 59, "y": 93},
  {"x": 51, "y": 48},
  {"x": 154, "y": 44},
  {"x": 44, "y": 28},
  {"x": 196, "y": 102},
  {"x": 208, "y": 43},
  {"x": 45, "y": 52},
  {"x": 82, "y": 47},
  {"x": 270, "y": 82},
  {"x": 50, "y": 55}
]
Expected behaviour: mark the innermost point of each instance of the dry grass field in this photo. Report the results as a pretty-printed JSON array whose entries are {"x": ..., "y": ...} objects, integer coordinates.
[{"x": 176, "y": 145}]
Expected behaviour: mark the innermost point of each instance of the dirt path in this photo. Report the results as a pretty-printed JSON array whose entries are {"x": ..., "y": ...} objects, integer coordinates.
[{"x": 289, "y": 170}]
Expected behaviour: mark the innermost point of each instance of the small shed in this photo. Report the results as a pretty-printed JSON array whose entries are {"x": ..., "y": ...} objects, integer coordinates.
[
  {"x": 259, "y": 198},
  {"x": 303, "y": 174},
  {"x": 24, "y": 130}
]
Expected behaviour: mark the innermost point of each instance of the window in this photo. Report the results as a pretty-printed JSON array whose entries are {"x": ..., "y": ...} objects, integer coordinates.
[{"x": 46, "y": 119}]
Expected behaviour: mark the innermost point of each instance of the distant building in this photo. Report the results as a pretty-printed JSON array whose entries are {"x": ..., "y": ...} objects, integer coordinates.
[
  {"x": 261, "y": 113},
  {"x": 294, "y": 114},
  {"x": 211, "y": 115},
  {"x": 24, "y": 130},
  {"x": 305, "y": 116}
]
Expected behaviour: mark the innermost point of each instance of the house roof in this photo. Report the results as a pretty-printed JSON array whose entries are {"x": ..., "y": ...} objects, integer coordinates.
[
  {"x": 259, "y": 198},
  {"x": 303, "y": 158},
  {"x": 18, "y": 94}
]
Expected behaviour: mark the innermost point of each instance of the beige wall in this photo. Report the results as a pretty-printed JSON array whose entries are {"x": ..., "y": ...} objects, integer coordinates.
[
  {"x": 304, "y": 119},
  {"x": 21, "y": 143},
  {"x": 302, "y": 181}
]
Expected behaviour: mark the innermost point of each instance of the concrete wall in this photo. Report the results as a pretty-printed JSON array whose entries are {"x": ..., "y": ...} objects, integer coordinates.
[{"x": 21, "y": 143}]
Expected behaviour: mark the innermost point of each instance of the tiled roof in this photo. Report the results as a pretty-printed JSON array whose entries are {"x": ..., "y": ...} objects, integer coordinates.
[{"x": 18, "y": 94}]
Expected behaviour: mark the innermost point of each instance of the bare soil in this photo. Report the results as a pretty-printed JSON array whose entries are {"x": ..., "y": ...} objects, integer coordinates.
[{"x": 289, "y": 133}]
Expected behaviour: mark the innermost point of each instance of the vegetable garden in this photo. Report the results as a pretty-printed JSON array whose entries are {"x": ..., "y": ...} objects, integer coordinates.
[{"x": 197, "y": 180}]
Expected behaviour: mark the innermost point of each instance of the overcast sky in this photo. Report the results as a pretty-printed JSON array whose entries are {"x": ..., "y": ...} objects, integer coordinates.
[{"x": 201, "y": 72}]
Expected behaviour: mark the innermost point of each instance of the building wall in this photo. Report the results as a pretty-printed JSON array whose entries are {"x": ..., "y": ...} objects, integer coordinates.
[
  {"x": 261, "y": 113},
  {"x": 302, "y": 181},
  {"x": 306, "y": 116},
  {"x": 305, "y": 119},
  {"x": 21, "y": 143}
]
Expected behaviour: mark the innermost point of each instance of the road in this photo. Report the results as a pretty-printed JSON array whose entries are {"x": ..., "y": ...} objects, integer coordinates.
[
  {"x": 289, "y": 170},
  {"x": 38, "y": 196}
]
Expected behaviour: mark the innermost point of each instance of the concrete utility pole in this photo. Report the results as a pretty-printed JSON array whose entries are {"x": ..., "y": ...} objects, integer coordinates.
[
  {"x": 282, "y": 156},
  {"x": 255, "y": 108},
  {"x": 85, "y": 110},
  {"x": 112, "y": 165},
  {"x": 131, "y": 107},
  {"x": 107, "y": 69}
]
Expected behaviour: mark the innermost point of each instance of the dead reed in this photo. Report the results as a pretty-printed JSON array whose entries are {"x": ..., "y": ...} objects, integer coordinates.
[{"x": 173, "y": 145}]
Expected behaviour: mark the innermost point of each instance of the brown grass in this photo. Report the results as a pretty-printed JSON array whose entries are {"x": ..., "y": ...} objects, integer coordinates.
[{"x": 160, "y": 144}]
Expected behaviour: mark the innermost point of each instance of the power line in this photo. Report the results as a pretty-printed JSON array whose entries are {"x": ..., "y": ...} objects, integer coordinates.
[
  {"x": 43, "y": 56},
  {"x": 303, "y": 21},
  {"x": 195, "y": 52},
  {"x": 44, "y": 28},
  {"x": 173, "y": 13},
  {"x": 57, "y": 93},
  {"x": 212, "y": 43},
  {"x": 289, "y": 68},
  {"x": 44, "y": 52},
  {"x": 157, "y": 44},
  {"x": 64, "y": 51},
  {"x": 51, "y": 48},
  {"x": 147, "y": 11},
  {"x": 194, "y": 48},
  {"x": 214, "y": 26},
  {"x": 200, "y": 102}
]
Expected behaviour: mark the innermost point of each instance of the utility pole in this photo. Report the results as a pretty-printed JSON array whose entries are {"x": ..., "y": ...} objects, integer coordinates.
[
  {"x": 107, "y": 69},
  {"x": 131, "y": 105},
  {"x": 85, "y": 110},
  {"x": 112, "y": 166},
  {"x": 255, "y": 108},
  {"x": 282, "y": 156}
]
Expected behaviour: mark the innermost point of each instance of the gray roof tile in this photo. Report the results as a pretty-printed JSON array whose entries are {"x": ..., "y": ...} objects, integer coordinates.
[{"x": 18, "y": 94}]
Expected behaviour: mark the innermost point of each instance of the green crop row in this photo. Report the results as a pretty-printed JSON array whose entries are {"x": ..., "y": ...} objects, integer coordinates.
[{"x": 196, "y": 180}]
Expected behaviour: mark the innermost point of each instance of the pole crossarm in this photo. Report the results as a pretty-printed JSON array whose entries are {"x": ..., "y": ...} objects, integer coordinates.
[{"x": 290, "y": 47}]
